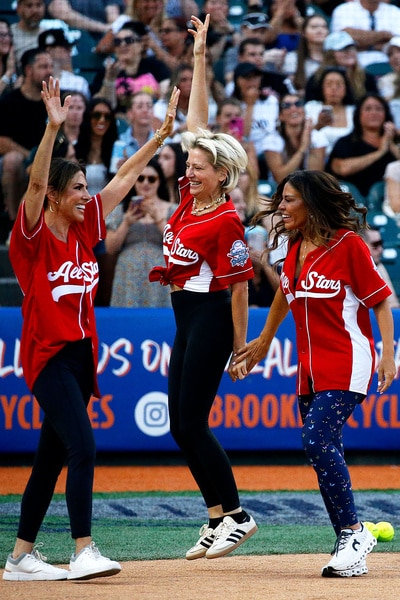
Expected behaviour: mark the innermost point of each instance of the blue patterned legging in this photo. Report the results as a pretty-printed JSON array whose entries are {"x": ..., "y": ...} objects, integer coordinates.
[{"x": 323, "y": 415}]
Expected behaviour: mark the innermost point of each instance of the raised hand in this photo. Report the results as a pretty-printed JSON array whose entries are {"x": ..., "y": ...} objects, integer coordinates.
[
  {"x": 199, "y": 33},
  {"x": 50, "y": 93},
  {"x": 168, "y": 125}
]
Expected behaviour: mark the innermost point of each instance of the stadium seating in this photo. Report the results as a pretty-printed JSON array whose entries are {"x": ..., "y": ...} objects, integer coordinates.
[
  {"x": 353, "y": 190},
  {"x": 376, "y": 196}
]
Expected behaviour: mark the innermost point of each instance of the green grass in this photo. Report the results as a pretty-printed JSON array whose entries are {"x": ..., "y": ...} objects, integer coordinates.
[{"x": 126, "y": 539}]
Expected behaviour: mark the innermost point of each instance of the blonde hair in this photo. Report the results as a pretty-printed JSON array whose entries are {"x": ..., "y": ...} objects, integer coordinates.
[{"x": 224, "y": 151}]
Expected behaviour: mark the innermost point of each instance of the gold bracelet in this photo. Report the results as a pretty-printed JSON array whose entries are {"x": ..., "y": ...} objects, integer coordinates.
[{"x": 158, "y": 138}]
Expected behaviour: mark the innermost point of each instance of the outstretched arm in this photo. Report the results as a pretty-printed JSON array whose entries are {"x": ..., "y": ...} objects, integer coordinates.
[
  {"x": 127, "y": 174},
  {"x": 257, "y": 349},
  {"x": 197, "y": 115},
  {"x": 39, "y": 175}
]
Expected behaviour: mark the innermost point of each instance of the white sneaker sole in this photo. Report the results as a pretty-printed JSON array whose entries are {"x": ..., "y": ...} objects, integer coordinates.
[
  {"x": 10, "y": 576},
  {"x": 354, "y": 572},
  {"x": 214, "y": 553},
  {"x": 82, "y": 575}
]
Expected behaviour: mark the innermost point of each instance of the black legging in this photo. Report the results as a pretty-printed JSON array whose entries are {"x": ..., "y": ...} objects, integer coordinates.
[
  {"x": 63, "y": 391},
  {"x": 202, "y": 346}
]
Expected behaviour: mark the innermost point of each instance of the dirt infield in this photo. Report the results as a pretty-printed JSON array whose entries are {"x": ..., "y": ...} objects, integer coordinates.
[
  {"x": 175, "y": 479},
  {"x": 282, "y": 577},
  {"x": 287, "y": 577}
]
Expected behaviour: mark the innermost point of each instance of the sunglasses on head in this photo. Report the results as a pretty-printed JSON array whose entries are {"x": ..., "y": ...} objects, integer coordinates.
[
  {"x": 377, "y": 244},
  {"x": 296, "y": 103},
  {"x": 126, "y": 40},
  {"x": 150, "y": 178},
  {"x": 97, "y": 115}
]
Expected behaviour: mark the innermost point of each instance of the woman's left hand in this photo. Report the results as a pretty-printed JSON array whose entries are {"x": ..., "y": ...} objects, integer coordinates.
[
  {"x": 168, "y": 125},
  {"x": 386, "y": 373},
  {"x": 199, "y": 32},
  {"x": 51, "y": 97},
  {"x": 237, "y": 370}
]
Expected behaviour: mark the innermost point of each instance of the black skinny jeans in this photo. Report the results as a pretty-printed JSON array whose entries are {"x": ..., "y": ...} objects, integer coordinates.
[
  {"x": 63, "y": 391},
  {"x": 202, "y": 346}
]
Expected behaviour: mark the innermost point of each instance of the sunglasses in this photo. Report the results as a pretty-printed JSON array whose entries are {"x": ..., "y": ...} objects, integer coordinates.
[
  {"x": 150, "y": 178},
  {"x": 297, "y": 104},
  {"x": 168, "y": 30},
  {"x": 97, "y": 115},
  {"x": 126, "y": 40},
  {"x": 377, "y": 244}
]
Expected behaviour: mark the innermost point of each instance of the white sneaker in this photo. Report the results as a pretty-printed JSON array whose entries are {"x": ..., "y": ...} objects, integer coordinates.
[
  {"x": 360, "y": 569},
  {"x": 351, "y": 548},
  {"x": 32, "y": 567},
  {"x": 89, "y": 563},
  {"x": 229, "y": 535},
  {"x": 206, "y": 540}
]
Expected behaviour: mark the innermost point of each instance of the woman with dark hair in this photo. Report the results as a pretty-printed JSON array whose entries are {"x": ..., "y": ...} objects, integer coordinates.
[
  {"x": 98, "y": 132},
  {"x": 134, "y": 231},
  {"x": 362, "y": 156},
  {"x": 301, "y": 63},
  {"x": 172, "y": 160},
  {"x": 295, "y": 144},
  {"x": 329, "y": 282},
  {"x": 7, "y": 58},
  {"x": 51, "y": 250},
  {"x": 332, "y": 109}
]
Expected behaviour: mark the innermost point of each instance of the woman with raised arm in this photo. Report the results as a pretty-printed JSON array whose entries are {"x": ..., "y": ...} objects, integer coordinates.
[
  {"x": 329, "y": 282},
  {"x": 207, "y": 269},
  {"x": 51, "y": 250}
]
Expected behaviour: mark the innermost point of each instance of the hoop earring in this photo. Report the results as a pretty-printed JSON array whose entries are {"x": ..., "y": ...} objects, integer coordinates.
[{"x": 51, "y": 209}]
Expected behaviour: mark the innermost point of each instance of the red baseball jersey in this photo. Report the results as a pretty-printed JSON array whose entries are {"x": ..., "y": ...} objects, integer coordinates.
[
  {"x": 59, "y": 282},
  {"x": 203, "y": 253},
  {"x": 330, "y": 302}
]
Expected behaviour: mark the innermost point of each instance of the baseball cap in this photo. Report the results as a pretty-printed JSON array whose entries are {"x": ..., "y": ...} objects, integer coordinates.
[
  {"x": 53, "y": 37},
  {"x": 137, "y": 27},
  {"x": 338, "y": 40},
  {"x": 394, "y": 41},
  {"x": 255, "y": 21},
  {"x": 245, "y": 68}
]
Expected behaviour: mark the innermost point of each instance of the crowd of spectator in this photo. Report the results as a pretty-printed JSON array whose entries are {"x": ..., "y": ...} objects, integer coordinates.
[{"x": 302, "y": 85}]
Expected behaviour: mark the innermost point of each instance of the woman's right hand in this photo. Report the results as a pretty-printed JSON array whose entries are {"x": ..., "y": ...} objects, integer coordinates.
[{"x": 50, "y": 93}]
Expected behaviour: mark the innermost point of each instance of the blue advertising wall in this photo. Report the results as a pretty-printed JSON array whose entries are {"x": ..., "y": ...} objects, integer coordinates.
[{"x": 259, "y": 413}]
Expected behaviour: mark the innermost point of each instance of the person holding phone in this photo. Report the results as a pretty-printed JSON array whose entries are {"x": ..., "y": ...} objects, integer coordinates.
[{"x": 134, "y": 237}]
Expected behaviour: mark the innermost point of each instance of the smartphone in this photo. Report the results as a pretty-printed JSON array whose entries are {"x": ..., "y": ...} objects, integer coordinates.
[
  {"x": 137, "y": 200},
  {"x": 236, "y": 126},
  {"x": 327, "y": 109}
]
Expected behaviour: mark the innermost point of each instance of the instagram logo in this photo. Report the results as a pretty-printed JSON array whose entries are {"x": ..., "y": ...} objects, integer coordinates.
[{"x": 151, "y": 414}]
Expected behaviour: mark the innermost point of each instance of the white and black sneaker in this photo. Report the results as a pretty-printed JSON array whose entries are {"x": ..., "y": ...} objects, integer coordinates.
[
  {"x": 360, "y": 569},
  {"x": 206, "y": 540},
  {"x": 229, "y": 535},
  {"x": 351, "y": 548}
]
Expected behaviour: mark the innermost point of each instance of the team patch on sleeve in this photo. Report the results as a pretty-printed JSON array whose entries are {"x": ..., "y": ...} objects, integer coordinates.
[{"x": 238, "y": 254}]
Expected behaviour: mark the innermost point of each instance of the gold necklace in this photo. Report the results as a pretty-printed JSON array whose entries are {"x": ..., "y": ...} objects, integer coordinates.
[
  {"x": 304, "y": 252},
  {"x": 197, "y": 210}
]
